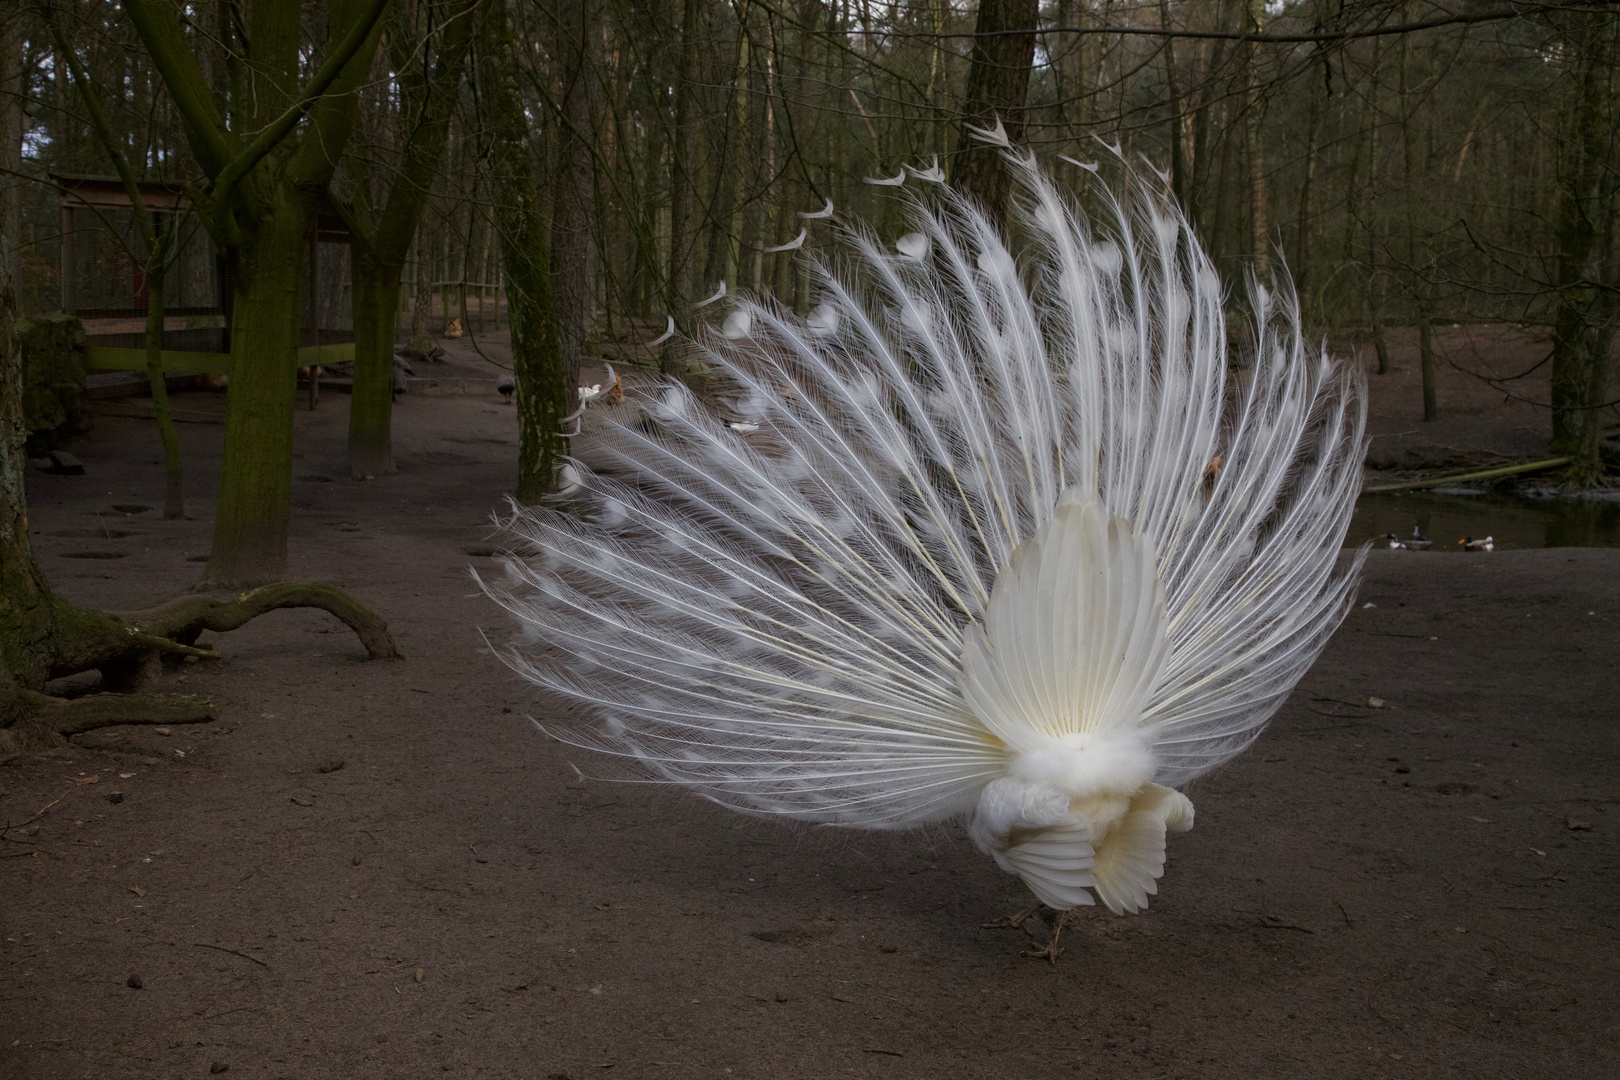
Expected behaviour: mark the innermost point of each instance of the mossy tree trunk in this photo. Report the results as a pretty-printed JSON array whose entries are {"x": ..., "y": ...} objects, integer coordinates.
[
  {"x": 43, "y": 637},
  {"x": 427, "y": 62},
  {"x": 371, "y": 408},
  {"x": 269, "y": 156},
  {"x": 537, "y": 361},
  {"x": 255, "y": 491}
]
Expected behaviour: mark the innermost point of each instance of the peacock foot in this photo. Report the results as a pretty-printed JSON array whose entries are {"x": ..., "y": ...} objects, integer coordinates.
[
  {"x": 1051, "y": 950},
  {"x": 1017, "y": 921}
]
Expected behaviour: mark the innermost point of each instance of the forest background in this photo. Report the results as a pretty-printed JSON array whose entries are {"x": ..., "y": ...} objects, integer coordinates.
[{"x": 592, "y": 170}]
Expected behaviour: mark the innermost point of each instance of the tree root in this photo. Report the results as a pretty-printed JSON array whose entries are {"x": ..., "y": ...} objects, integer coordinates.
[
  {"x": 77, "y": 715},
  {"x": 183, "y": 619}
]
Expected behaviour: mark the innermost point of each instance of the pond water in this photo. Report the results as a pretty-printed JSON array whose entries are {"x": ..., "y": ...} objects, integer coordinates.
[{"x": 1514, "y": 521}]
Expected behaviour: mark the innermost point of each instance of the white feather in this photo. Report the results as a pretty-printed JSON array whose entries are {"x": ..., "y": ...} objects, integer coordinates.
[
  {"x": 737, "y": 324},
  {"x": 933, "y": 174},
  {"x": 669, "y": 329},
  {"x": 913, "y": 246},
  {"x": 792, "y": 245},
  {"x": 981, "y": 569},
  {"x": 822, "y": 321}
]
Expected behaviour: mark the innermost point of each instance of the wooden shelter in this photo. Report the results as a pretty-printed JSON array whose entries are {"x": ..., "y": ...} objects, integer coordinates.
[{"x": 103, "y": 282}]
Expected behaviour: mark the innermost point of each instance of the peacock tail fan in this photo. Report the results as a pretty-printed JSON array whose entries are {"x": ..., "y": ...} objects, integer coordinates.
[{"x": 986, "y": 536}]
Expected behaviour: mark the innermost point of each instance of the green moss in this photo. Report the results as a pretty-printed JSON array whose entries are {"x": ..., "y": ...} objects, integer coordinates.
[{"x": 53, "y": 380}]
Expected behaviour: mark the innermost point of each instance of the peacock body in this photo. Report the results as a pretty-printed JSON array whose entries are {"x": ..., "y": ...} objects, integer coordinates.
[{"x": 982, "y": 538}]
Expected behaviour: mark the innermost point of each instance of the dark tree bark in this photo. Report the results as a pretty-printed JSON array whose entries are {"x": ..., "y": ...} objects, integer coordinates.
[
  {"x": 1588, "y": 264},
  {"x": 997, "y": 87},
  {"x": 1417, "y": 256},
  {"x": 13, "y": 95},
  {"x": 683, "y": 179},
  {"x": 573, "y": 212},
  {"x": 537, "y": 363}
]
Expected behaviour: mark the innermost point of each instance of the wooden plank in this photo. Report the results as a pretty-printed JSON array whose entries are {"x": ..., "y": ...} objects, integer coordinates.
[{"x": 176, "y": 362}]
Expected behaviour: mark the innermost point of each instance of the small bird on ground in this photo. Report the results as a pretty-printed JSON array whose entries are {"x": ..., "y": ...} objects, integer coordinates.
[
  {"x": 1470, "y": 544},
  {"x": 1418, "y": 542},
  {"x": 992, "y": 539},
  {"x": 506, "y": 384}
]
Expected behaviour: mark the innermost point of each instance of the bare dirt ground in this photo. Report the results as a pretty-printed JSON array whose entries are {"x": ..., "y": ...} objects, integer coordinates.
[
  {"x": 1491, "y": 385},
  {"x": 381, "y": 869}
]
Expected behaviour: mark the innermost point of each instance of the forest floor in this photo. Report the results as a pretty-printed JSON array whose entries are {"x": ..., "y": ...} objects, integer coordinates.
[{"x": 381, "y": 869}]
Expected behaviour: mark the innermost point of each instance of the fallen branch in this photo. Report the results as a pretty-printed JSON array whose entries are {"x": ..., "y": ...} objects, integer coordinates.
[{"x": 1457, "y": 478}]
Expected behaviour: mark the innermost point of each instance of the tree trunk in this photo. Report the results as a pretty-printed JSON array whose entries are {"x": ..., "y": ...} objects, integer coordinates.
[
  {"x": 1423, "y": 287},
  {"x": 1302, "y": 227},
  {"x": 174, "y": 499},
  {"x": 573, "y": 217},
  {"x": 1431, "y": 407},
  {"x": 13, "y": 95},
  {"x": 998, "y": 84},
  {"x": 269, "y": 166},
  {"x": 25, "y": 618},
  {"x": 371, "y": 408},
  {"x": 1584, "y": 318},
  {"x": 422, "y": 301},
  {"x": 1377, "y": 284},
  {"x": 43, "y": 637},
  {"x": 1173, "y": 105},
  {"x": 255, "y": 484},
  {"x": 683, "y": 182},
  {"x": 542, "y": 389},
  {"x": 383, "y": 242}
]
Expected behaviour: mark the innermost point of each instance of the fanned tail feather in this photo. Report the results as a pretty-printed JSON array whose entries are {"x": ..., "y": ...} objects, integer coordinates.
[{"x": 779, "y": 621}]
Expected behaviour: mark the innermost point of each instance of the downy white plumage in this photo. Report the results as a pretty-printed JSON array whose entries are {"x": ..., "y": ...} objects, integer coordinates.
[{"x": 990, "y": 539}]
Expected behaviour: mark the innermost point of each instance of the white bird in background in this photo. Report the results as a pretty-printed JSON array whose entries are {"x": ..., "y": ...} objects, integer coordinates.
[{"x": 979, "y": 566}]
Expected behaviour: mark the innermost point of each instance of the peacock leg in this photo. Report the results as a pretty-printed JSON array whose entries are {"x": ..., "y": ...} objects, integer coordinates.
[
  {"x": 1017, "y": 921},
  {"x": 1051, "y": 951}
]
